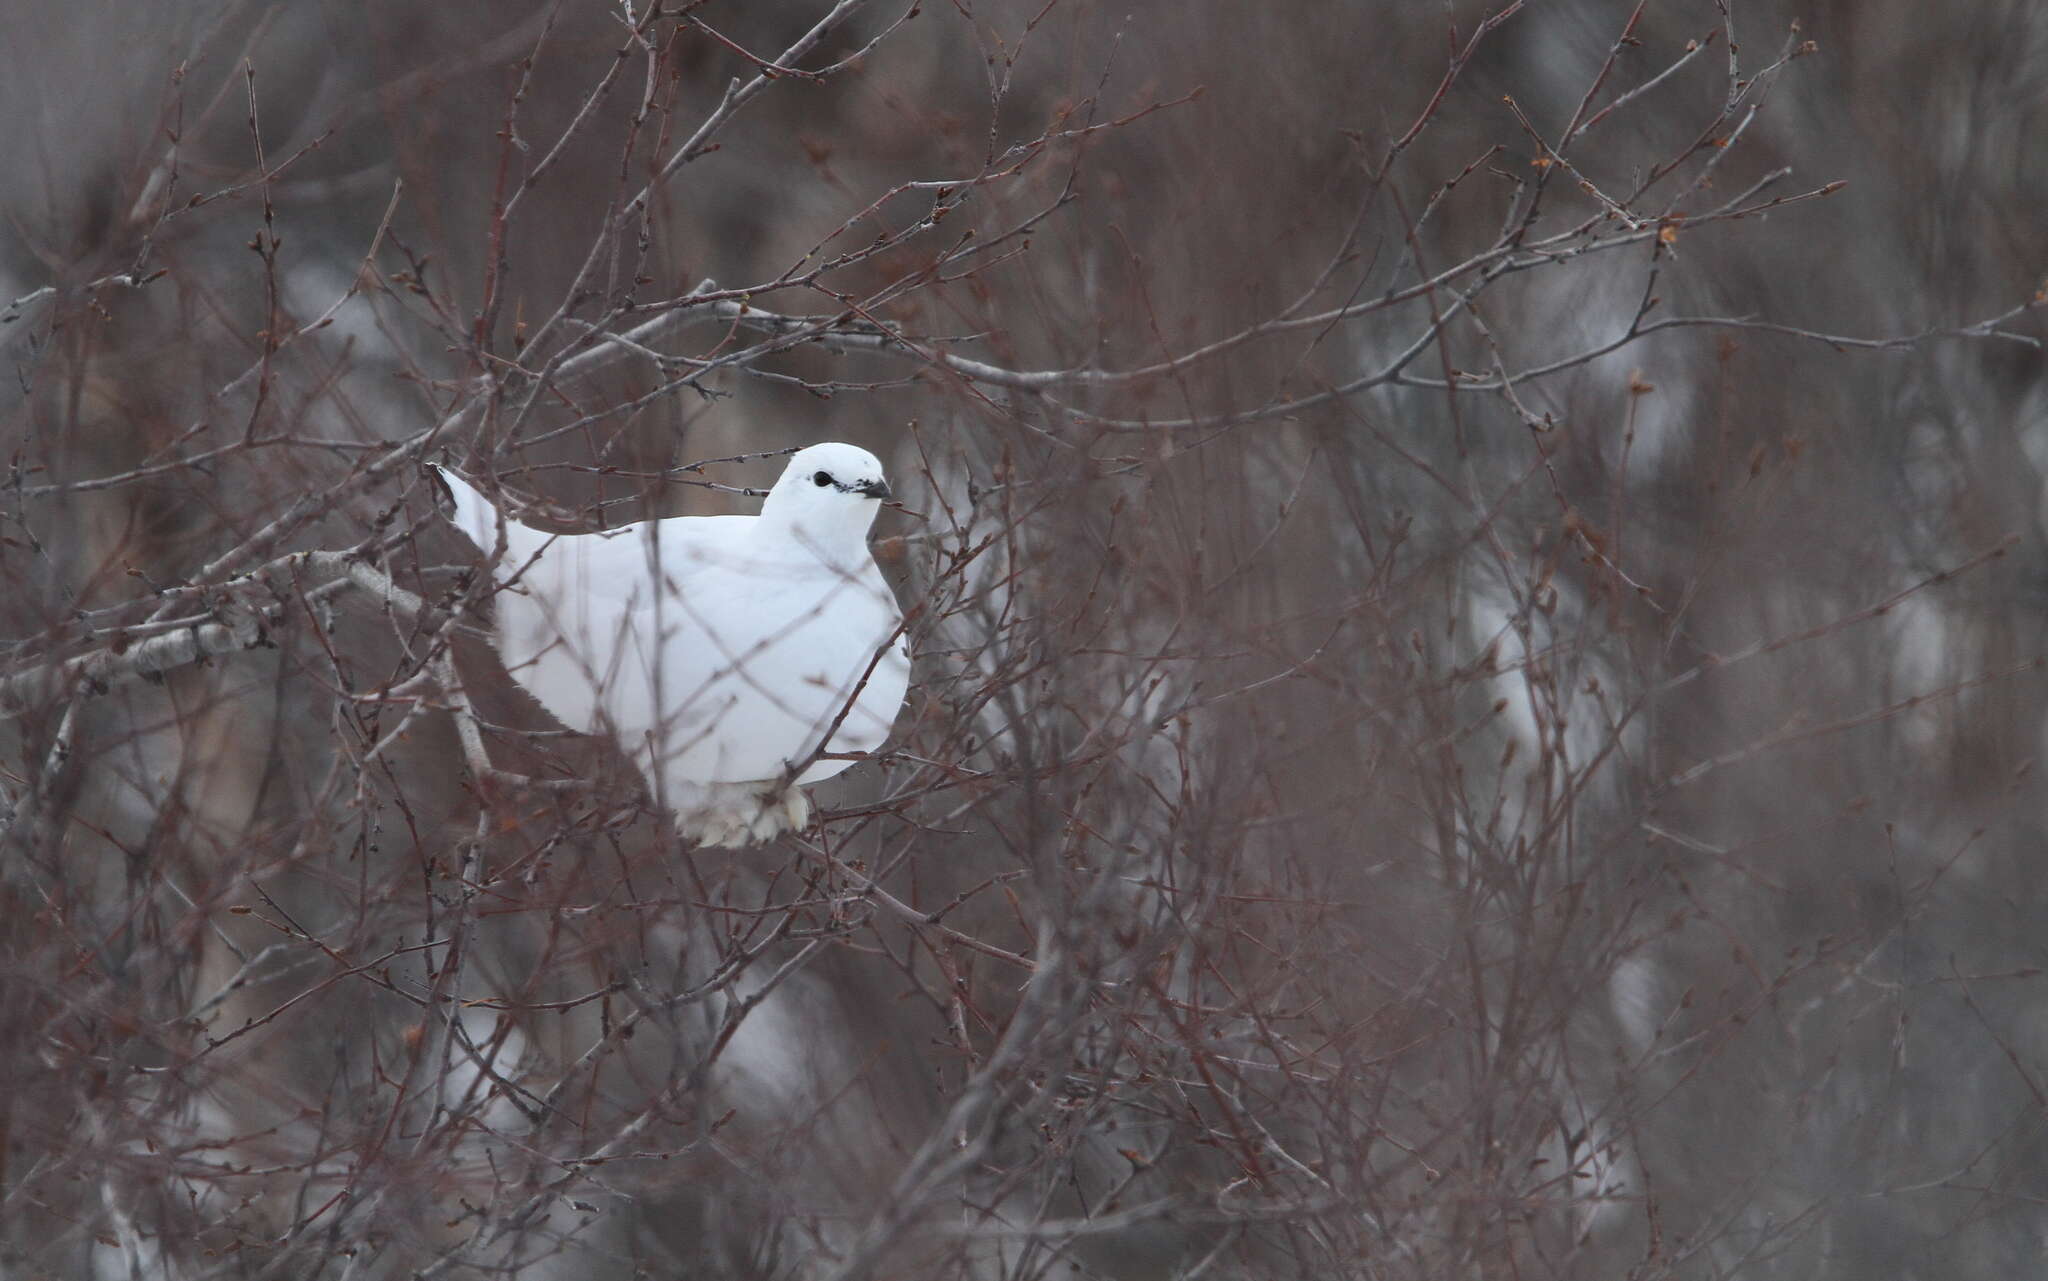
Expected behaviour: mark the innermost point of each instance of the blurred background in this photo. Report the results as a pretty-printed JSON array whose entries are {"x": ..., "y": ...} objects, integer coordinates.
[{"x": 1475, "y": 581}]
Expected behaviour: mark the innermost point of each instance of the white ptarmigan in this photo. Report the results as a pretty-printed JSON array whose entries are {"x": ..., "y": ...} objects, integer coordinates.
[{"x": 718, "y": 650}]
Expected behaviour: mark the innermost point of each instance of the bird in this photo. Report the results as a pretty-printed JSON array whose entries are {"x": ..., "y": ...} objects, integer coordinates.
[{"x": 726, "y": 654}]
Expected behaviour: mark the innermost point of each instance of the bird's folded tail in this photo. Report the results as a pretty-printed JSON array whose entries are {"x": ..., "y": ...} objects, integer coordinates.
[{"x": 472, "y": 513}]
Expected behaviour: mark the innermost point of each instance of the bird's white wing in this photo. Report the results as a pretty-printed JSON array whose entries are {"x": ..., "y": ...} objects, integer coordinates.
[{"x": 712, "y": 661}]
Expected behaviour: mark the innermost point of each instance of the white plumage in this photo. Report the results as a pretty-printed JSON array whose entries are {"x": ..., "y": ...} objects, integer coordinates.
[{"x": 719, "y": 650}]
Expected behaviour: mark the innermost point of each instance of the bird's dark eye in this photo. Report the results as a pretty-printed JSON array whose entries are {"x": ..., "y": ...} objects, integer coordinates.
[{"x": 822, "y": 479}]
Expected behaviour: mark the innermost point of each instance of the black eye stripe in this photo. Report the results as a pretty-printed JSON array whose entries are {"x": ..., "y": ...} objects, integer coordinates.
[{"x": 822, "y": 479}]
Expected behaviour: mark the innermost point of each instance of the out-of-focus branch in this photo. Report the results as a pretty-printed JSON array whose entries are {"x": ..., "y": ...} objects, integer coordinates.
[
  {"x": 835, "y": 334},
  {"x": 245, "y": 611},
  {"x": 958, "y": 1140},
  {"x": 18, "y": 318}
]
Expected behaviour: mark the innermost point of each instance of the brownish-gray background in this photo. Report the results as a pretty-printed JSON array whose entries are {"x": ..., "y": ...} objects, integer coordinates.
[{"x": 1354, "y": 819}]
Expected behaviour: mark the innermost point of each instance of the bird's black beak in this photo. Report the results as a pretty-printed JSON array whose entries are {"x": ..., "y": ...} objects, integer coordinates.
[{"x": 874, "y": 489}]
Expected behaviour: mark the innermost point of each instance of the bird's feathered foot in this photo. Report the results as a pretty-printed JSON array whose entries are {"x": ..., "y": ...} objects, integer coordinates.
[{"x": 731, "y": 815}]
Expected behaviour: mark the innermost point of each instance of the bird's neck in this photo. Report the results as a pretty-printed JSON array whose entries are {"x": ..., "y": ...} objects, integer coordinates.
[{"x": 838, "y": 538}]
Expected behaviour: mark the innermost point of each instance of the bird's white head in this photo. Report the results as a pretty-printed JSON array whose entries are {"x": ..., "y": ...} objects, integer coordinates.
[{"x": 828, "y": 494}]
